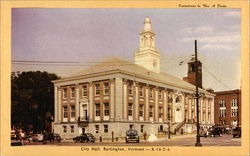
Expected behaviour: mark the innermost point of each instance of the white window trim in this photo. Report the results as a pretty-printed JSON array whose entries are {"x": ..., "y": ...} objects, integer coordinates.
[
  {"x": 104, "y": 88},
  {"x": 86, "y": 87},
  {"x": 98, "y": 89}
]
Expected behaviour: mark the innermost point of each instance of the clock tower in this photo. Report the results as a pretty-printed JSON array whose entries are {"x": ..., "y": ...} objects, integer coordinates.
[
  {"x": 191, "y": 73},
  {"x": 147, "y": 55}
]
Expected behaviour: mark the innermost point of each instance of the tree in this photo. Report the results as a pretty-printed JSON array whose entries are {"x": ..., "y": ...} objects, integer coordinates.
[{"x": 32, "y": 99}]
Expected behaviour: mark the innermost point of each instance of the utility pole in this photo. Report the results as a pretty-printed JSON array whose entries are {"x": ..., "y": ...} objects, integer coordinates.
[{"x": 198, "y": 143}]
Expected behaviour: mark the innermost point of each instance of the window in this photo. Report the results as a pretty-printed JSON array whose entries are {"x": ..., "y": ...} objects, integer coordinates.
[
  {"x": 222, "y": 103},
  {"x": 150, "y": 93},
  {"x": 234, "y": 103},
  {"x": 209, "y": 117},
  {"x": 142, "y": 128},
  {"x": 160, "y": 112},
  {"x": 96, "y": 128},
  {"x": 130, "y": 89},
  {"x": 106, "y": 109},
  {"x": 222, "y": 108},
  {"x": 65, "y": 93},
  {"x": 151, "y": 113},
  {"x": 161, "y": 128},
  {"x": 234, "y": 112},
  {"x": 141, "y": 110},
  {"x": 65, "y": 111},
  {"x": 72, "y": 129},
  {"x": 72, "y": 92},
  {"x": 160, "y": 95},
  {"x": 192, "y": 113},
  {"x": 106, "y": 88},
  {"x": 72, "y": 112},
  {"x": 106, "y": 128},
  {"x": 222, "y": 112},
  {"x": 169, "y": 113},
  {"x": 97, "y": 89},
  {"x": 141, "y": 91},
  {"x": 130, "y": 109},
  {"x": 97, "y": 109},
  {"x": 209, "y": 104},
  {"x": 84, "y": 91},
  {"x": 204, "y": 116},
  {"x": 65, "y": 129}
]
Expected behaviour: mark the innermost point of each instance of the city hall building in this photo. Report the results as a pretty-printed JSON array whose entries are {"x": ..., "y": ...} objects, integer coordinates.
[{"x": 117, "y": 95}]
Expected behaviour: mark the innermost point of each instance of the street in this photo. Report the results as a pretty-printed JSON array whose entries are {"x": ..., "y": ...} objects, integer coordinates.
[{"x": 185, "y": 140}]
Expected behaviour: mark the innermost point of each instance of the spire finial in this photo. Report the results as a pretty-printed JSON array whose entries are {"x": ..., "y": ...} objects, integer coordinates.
[{"x": 147, "y": 24}]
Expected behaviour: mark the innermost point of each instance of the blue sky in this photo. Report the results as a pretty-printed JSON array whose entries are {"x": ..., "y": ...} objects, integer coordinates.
[{"x": 93, "y": 35}]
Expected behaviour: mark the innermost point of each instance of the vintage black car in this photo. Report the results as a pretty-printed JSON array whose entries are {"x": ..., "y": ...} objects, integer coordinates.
[
  {"x": 85, "y": 137},
  {"x": 215, "y": 131},
  {"x": 132, "y": 136},
  {"x": 236, "y": 132},
  {"x": 53, "y": 137}
]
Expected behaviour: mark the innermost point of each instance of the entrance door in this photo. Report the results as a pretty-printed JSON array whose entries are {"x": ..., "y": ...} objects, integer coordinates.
[
  {"x": 85, "y": 112},
  {"x": 83, "y": 130},
  {"x": 178, "y": 114}
]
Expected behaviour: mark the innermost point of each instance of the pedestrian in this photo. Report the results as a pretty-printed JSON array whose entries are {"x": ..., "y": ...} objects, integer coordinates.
[
  {"x": 22, "y": 136},
  {"x": 145, "y": 135},
  {"x": 44, "y": 137}
]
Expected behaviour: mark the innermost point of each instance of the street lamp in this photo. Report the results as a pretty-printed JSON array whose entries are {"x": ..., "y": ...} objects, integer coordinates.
[{"x": 169, "y": 120}]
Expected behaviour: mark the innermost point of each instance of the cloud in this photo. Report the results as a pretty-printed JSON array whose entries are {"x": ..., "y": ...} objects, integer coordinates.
[
  {"x": 232, "y": 38},
  {"x": 234, "y": 14},
  {"x": 218, "y": 46},
  {"x": 197, "y": 30},
  {"x": 234, "y": 28}
]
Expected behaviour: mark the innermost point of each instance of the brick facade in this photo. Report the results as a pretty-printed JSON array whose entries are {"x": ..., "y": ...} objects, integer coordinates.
[{"x": 224, "y": 108}]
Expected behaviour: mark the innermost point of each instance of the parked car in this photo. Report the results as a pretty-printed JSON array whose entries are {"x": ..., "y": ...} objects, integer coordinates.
[
  {"x": 132, "y": 135},
  {"x": 215, "y": 130},
  {"x": 85, "y": 137},
  {"x": 14, "y": 140},
  {"x": 53, "y": 137},
  {"x": 236, "y": 132},
  {"x": 37, "y": 137},
  {"x": 204, "y": 133}
]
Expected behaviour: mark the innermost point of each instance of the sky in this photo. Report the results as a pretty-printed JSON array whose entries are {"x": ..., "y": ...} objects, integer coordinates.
[{"x": 89, "y": 36}]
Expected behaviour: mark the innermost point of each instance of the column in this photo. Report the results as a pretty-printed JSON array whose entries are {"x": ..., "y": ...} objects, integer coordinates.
[
  {"x": 155, "y": 92},
  {"x": 136, "y": 102},
  {"x": 183, "y": 106},
  {"x": 56, "y": 104},
  {"x": 165, "y": 105},
  {"x": 206, "y": 101},
  {"x": 59, "y": 105},
  {"x": 147, "y": 105},
  {"x": 173, "y": 107},
  {"x": 189, "y": 108},
  {"x": 201, "y": 109},
  {"x": 112, "y": 99},
  {"x": 77, "y": 101},
  {"x": 125, "y": 100},
  {"x": 91, "y": 102},
  {"x": 212, "y": 110},
  {"x": 118, "y": 98}
]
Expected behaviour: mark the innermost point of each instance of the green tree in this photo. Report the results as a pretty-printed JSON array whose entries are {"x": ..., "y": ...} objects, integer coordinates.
[{"x": 32, "y": 99}]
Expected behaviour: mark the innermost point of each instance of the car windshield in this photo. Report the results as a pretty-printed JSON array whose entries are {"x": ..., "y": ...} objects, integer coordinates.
[
  {"x": 131, "y": 132},
  {"x": 89, "y": 134}
]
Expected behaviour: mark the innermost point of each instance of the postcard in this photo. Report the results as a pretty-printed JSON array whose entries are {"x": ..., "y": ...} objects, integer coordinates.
[{"x": 124, "y": 77}]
